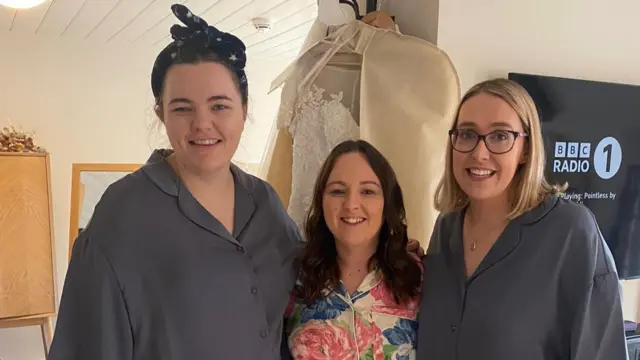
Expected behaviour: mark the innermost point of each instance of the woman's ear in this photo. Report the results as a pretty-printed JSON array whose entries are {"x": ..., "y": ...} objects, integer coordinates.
[
  {"x": 524, "y": 158},
  {"x": 159, "y": 113}
]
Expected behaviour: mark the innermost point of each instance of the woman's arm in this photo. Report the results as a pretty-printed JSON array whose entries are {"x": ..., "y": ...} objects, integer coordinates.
[
  {"x": 597, "y": 325},
  {"x": 435, "y": 242},
  {"x": 597, "y": 331},
  {"x": 93, "y": 322}
]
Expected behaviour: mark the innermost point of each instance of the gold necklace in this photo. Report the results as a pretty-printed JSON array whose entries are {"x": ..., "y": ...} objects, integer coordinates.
[{"x": 474, "y": 241}]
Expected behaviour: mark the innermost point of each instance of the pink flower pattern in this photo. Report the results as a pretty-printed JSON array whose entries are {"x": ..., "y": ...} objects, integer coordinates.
[
  {"x": 369, "y": 336},
  {"x": 386, "y": 304},
  {"x": 365, "y": 325},
  {"x": 318, "y": 340}
]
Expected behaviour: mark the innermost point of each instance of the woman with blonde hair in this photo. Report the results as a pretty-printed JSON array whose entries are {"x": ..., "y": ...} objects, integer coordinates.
[{"x": 513, "y": 271}]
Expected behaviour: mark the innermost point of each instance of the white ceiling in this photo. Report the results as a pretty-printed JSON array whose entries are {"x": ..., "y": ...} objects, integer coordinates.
[{"x": 147, "y": 22}]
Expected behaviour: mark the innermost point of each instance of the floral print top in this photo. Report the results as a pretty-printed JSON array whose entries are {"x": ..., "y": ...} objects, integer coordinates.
[{"x": 366, "y": 325}]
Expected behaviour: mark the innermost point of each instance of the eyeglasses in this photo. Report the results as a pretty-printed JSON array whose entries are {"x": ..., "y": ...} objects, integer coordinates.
[{"x": 497, "y": 142}]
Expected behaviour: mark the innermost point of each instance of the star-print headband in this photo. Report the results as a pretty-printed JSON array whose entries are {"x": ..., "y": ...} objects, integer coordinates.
[{"x": 198, "y": 37}]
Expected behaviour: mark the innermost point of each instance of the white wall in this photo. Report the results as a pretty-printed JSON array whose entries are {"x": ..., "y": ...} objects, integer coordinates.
[
  {"x": 93, "y": 104},
  {"x": 417, "y": 18},
  {"x": 585, "y": 39},
  {"x": 571, "y": 38}
]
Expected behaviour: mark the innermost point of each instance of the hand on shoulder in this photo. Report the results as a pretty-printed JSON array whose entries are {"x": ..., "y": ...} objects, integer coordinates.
[{"x": 414, "y": 247}]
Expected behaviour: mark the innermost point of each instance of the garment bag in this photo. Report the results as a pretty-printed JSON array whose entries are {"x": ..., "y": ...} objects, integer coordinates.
[{"x": 408, "y": 93}]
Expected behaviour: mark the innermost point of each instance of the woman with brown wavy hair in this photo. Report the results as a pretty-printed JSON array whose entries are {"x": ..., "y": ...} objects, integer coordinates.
[{"x": 359, "y": 287}]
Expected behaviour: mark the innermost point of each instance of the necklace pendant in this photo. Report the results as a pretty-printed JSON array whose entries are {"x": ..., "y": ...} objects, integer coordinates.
[{"x": 474, "y": 245}]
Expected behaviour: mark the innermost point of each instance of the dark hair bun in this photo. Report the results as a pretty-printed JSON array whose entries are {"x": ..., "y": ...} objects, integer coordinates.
[{"x": 198, "y": 36}]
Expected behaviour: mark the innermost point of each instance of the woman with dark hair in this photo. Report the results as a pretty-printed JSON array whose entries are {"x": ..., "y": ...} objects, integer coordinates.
[
  {"x": 358, "y": 290},
  {"x": 190, "y": 257}
]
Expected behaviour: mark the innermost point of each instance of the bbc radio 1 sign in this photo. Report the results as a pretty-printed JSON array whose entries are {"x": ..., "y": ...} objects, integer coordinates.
[{"x": 577, "y": 157}]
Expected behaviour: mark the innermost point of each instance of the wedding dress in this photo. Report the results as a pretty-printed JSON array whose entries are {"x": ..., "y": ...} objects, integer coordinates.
[{"x": 323, "y": 118}]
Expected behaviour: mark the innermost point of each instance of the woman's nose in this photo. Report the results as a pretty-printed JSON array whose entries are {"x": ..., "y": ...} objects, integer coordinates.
[
  {"x": 202, "y": 119},
  {"x": 352, "y": 200},
  {"x": 481, "y": 152}
]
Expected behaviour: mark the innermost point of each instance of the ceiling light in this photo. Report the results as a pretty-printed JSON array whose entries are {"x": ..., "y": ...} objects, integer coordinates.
[{"x": 21, "y": 4}]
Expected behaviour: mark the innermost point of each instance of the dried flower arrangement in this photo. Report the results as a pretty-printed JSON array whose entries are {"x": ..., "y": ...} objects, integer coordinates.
[{"x": 15, "y": 140}]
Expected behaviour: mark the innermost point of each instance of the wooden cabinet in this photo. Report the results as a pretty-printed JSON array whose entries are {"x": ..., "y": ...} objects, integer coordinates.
[{"x": 27, "y": 286}]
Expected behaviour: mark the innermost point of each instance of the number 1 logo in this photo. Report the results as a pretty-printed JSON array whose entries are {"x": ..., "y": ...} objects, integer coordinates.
[{"x": 607, "y": 158}]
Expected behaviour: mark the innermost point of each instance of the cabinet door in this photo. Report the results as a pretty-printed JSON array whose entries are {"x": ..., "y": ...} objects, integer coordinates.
[{"x": 26, "y": 264}]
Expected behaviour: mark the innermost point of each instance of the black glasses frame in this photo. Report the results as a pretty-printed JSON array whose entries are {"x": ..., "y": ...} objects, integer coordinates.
[{"x": 516, "y": 135}]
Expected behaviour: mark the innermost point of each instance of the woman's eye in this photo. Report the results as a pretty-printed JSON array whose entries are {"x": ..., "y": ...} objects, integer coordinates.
[
  {"x": 181, "y": 109},
  {"x": 368, "y": 192},
  {"x": 219, "y": 107},
  {"x": 501, "y": 136},
  {"x": 336, "y": 192},
  {"x": 466, "y": 135}
]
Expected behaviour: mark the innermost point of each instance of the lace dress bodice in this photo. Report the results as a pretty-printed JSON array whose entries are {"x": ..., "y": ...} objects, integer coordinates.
[{"x": 321, "y": 122}]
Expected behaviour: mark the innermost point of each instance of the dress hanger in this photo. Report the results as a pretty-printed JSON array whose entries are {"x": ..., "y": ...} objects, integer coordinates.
[
  {"x": 354, "y": 6},
  {"x": 372, "y": 5}
]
